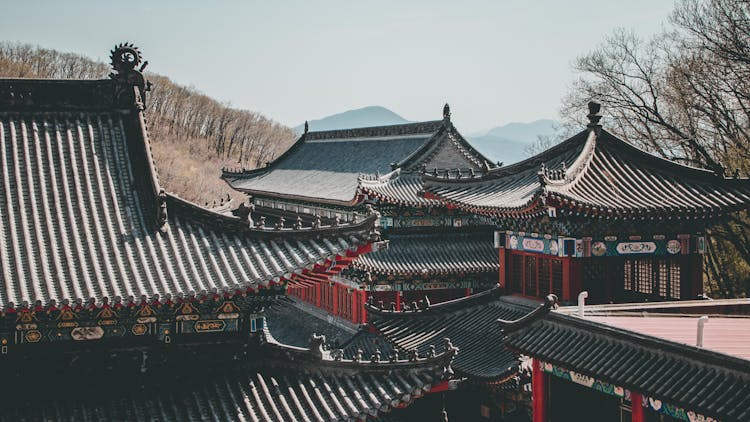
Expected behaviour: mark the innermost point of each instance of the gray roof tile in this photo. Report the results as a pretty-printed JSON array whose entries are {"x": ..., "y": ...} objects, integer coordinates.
[
  {"x": 442, "y": 252},
  {"x": 470, "y": 323},
  {"x": 597, "y": 173},
  {"x": 327, "y": 165},
  {"x": 77, "y": 215}
]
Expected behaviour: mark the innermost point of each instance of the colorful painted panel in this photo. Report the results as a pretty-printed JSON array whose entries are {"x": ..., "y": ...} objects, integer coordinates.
[
  {"x": 609, "y": 246},
  {"x": 613, "y": 390}
]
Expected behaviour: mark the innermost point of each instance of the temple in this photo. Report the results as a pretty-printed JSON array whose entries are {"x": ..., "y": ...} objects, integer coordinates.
[
  {"x": 387, "y": 273},
  {"x": 595, "y": 220},
  {"x": 121, "y": 301},
  {"x": 434, "y": 249},
  {"x": 596, "y": 214}
]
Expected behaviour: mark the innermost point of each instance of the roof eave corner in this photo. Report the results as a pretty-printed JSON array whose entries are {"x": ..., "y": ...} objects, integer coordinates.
[{"x": 550, "y": 302}]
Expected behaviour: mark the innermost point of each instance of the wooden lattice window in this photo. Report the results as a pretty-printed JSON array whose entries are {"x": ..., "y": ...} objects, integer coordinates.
[
  {"x": 643, "y": 281},
  {"x": 663, "y": 277},
  {"x": 674, "y": 279},
  {"x": 653, "y": 276},
  {"x": 535, "y": 275}
]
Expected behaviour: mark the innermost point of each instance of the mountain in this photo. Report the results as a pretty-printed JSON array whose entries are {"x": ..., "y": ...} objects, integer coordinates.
[
  {"x": 507, "y": 143},
  {"x": 361, "y": 117},
  {"x": 502, "y": 143}
]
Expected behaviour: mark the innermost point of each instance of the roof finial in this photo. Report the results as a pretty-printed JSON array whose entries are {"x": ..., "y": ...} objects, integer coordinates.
[
  {"x": 307, "y": 126},
  {"x": 124, "y": 59},
  {"x": 594, "y": 114},
  {"x": 446, "y": 112}
]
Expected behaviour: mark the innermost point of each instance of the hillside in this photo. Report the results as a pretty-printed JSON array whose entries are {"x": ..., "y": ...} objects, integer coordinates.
[
  {"x": 192, "y": 135},
  {"x": 361, "y": 117}
]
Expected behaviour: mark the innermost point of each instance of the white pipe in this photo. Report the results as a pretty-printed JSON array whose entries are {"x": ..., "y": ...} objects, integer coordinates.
[
  {"x": 582, "y": 302},
  {"x": 701, "y": 323}
]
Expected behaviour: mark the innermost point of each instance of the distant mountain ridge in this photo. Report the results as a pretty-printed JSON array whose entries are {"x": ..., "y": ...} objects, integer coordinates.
[
  {"x": 361, "y": 117},
  {"x": 506, "y": 143}
]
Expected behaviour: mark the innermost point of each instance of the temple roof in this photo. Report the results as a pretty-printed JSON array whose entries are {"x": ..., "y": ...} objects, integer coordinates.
[
  {"x": 83, "y": 215},
  {"x": 729, "y": 335},
  {"x": 281, "y": 383},
  {"x": 435, "y": 253},
  {"x": 594, "y": 173},
  {"x": 697, "y": 379},
  {"x": 327, "y": 166},
  {"x": 469, "y": 322}
]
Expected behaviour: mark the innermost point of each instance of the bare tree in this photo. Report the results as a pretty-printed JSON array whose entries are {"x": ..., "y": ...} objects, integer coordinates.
[{"x": 683, "y": 95}]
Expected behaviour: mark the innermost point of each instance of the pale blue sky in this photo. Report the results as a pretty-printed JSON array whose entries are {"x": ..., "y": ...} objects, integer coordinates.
[{"x": 494, "y": 61}]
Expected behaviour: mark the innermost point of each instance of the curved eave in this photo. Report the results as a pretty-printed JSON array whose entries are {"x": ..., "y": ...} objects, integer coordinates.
[
  {"x": 492, "y": 379},
  {"x": 574, "y": 207},
  {"x": 341, "y": 203},
  {"x": 231, "y": 176},
  {"x": 533, "y": 208},
  {"x": 395, "y": 201}
]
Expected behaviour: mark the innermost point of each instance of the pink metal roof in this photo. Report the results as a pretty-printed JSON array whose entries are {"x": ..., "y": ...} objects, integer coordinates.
[{"x": 730, "y": 336}]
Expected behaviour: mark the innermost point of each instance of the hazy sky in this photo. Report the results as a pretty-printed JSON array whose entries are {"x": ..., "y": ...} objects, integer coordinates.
[{"x": 494, "y": 61}]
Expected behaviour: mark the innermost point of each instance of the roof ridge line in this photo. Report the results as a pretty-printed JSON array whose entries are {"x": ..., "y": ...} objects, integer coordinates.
[
  {"x": 630, "y": 148},
  {"x": 379, "y": 179},
  {"x": 550, "y": 302},
  {"x": 575, "y": 171},
  {"x": 366, "y": 224},
  {"x": 334, "y": 359},
  {"x": 352, "y": 132}
]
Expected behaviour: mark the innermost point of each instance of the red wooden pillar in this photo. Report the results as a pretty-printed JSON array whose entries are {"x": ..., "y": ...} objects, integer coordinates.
[
  {"x": 316, "y": 299},
  {"x": 398, "y": 300},
  {"x": 538, "y": 392},
  {"x": 361, "y": 306},
  {"x": 468, "y": 291},
  {"x": 346, "y": 303},
  {"x": 572, "y": 278},
  {"x": 636, "y": 407},
  {"x": 566, "y": 293},
  {"x": 335, "y": 298},
  {"x": 502, "y": 272},
  {"x": 357, "y": 306}
]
